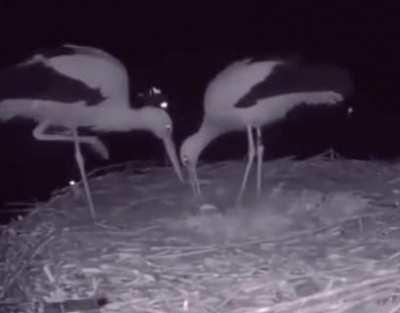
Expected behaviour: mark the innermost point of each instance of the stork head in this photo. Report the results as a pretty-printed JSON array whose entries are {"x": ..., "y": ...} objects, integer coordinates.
[
  {"x": 189, "y": 155},
  {"x": 160, "y": 124},
  {"x": 189, "y": 152},
  {"x": 192, "y": 148}
]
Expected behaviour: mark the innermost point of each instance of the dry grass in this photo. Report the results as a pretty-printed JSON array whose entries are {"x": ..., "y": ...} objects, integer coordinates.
[{"x": 299, "y": 249}]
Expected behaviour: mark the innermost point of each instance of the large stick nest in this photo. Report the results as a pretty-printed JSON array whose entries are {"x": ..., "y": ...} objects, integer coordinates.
[{"x": 323, "y": 238}]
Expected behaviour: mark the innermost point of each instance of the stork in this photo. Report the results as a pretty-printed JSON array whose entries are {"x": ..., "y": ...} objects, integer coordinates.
[
  {"x": 77, "y": 86},
  {"x": 249, "y": 94}
]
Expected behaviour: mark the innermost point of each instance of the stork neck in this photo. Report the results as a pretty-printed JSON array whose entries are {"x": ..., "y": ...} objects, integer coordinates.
[{"x": 204, "y": 136}]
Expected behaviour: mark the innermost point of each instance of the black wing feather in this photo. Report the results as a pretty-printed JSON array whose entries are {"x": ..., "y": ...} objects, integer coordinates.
[
  {"x": 289, "y": 78},
  {"x": 38, "y": 81}
]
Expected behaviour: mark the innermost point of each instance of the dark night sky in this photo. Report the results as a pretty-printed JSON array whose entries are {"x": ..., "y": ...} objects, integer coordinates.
[{"x": 181, "y": 47}]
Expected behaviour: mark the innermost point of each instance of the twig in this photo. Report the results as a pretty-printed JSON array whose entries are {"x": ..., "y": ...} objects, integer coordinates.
[
  {"x": 116, "y": 165},
  {"x": 325, "y": 296},
  {"x": 395, "y": 309},
  {"x": 24, "y": 264},
  {"x": 75, "y": 305}
]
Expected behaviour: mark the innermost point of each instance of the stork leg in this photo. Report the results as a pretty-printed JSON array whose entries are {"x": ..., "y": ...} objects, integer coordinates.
[
  {"x": 94, "y": 142},
  {"x": 260, "y": 157},
  {"x": 251, "y": 155},
  {"x": 81, "y": 165}
]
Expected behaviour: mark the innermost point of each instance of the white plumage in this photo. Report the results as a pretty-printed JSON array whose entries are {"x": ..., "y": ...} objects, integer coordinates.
[
  {"x": 77, "y": 86},
  {"x": 94, "y": 67},
  {"x": 249, "y": 94},
  {"x": 81, "y": 87}
]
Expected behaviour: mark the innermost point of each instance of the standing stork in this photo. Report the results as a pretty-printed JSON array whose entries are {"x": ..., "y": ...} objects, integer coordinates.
[
  {"x": 249, "y": 94},
  {"x": 76, "y": 86}
]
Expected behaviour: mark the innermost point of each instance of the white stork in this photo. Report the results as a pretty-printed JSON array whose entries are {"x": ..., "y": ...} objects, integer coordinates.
[
  {"x": 76, "y": 86},
  {"x": 249, "y": 94}
]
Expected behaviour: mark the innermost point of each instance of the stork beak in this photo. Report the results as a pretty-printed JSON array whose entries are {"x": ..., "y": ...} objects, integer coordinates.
[
  {"x": 193, "y": 179},
  {"x": 171, "y": 151}
]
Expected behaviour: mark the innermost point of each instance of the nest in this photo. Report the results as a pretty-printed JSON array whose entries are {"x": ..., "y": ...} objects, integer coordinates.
[{"x": 297, "y": 250}]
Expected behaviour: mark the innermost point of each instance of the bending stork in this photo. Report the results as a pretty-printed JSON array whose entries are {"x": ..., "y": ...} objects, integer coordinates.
[
  {"x": 76, "y": 86},
  {"x": 249, "y": 94}
]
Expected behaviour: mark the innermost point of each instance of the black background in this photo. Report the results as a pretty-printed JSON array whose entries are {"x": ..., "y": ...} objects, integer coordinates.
[{"x": 181, "y": 46}]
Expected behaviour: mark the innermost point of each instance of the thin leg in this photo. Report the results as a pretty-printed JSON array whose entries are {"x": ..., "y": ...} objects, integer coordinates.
[
  {"x": 251, "y": 155},
  {"x": 81, "y": 164},
  {"x": 94, "y": 142},
  {"x": 260, "y": 157}
]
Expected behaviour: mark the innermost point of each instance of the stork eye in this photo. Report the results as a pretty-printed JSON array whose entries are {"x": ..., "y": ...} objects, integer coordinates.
[
  {"x": 164, "y": 105},
  {"x": 168, "y": 127}
]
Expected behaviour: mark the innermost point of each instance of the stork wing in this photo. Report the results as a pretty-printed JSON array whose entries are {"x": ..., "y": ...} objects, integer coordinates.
[
  {"x": 97, "y": 69},
  {"x": 289, "y": 79}
]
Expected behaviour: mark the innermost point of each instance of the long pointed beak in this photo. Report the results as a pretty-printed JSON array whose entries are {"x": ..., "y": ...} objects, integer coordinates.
[
  {"x": 194, "y": 181},
  {"x": 171, "y": 151}
]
